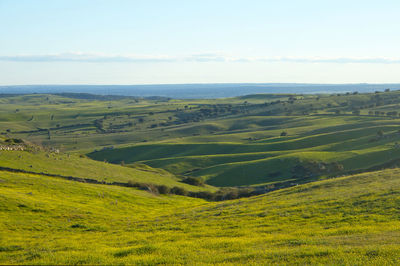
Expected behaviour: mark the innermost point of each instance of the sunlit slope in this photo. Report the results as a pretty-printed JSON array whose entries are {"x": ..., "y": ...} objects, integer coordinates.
[
  {"x": 81, "y": 167},
  {"x": 353, "y": 142},
  {"x": 350, "y": 220}
]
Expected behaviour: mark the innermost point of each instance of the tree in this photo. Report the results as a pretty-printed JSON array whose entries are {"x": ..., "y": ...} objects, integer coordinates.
[
  {"x": 163, "y": 189},
  {"x": 379, "y": 133},
  {"x": 179, "y": 191},
  {"x": 283, "y": 133},
  {"x": 193, "y": 181},
  {"x": 337, "y": 166}
]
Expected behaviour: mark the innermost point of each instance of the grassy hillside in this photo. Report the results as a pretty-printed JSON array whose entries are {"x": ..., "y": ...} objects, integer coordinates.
[
  {"x": 77, "y": 166},
  {"x": 349, "y": 220},
  {"x": 264, "y": 141},
  {"x": 351, "y": 141},
  {"x": 240, "y": 141}
]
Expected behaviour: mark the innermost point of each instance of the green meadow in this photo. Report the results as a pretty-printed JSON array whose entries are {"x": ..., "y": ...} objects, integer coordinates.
[
  {"x": 350, "y": 220},
  {"x": 257, "y": 179}
]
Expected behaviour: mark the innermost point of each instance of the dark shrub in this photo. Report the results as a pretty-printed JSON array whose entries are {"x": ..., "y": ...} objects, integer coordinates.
[
  {"x": 133, "y": 184},
  {"x": 245, "y": 192},
  {"x": 152, "y": 189},
  {"x": 336, "y": 166},
  {"x": 163, "y": 189},
  {"x": 179, "y": 191},
  {"x": 204, "y": 195},
  {"x": 193, "y": 181},
  {"x": 233, "y": 194}
]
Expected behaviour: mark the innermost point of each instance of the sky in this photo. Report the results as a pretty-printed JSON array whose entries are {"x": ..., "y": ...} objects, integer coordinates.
[{"x": 187, "y": 41}]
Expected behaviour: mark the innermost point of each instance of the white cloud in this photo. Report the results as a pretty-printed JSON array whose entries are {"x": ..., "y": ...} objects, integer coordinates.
[{"x": 201, "y": 57}]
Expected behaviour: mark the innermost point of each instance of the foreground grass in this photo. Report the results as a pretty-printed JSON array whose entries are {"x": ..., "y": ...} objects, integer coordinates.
[{"x": 350, "y": 220}]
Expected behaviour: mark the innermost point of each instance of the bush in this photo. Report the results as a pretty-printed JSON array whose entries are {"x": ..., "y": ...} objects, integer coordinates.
[
  {"x": 203, "y": 195},
  {"x": 163, "y": 189},
  {"x": 131, "y": 183},
  {"x": 246, "y": 192},
  {"x": 233, "y": 194},
  {"x": 193, "y": 181},
  {"x": 14, "y": 141},
  {"x": 152, "y": 189},
  {"x": 222, "y": 194},
  {"x": 179, "y": 191}
]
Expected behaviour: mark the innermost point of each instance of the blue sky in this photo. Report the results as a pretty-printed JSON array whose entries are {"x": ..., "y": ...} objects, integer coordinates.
[{"x": 147, "y": 42}]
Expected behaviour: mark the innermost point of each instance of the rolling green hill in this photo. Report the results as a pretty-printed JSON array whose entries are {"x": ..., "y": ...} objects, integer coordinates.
[
  {"x": 86, "y": 179},
  {"x": 349, "y": 220},
  {"x": 65, "y": 165},
  {"x": 239, "y": 141},
  {"x": 353, "y": 142}
]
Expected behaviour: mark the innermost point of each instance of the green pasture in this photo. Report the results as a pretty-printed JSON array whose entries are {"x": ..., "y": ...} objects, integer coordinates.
[{"x": 349, "y": 220}]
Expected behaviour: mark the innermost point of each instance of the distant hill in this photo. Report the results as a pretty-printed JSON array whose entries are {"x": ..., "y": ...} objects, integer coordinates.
[{"x": 191, "y": 91}]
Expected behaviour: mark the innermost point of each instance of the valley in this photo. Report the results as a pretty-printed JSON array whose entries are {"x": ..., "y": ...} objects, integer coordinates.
[{"x": 266, "y": 178}]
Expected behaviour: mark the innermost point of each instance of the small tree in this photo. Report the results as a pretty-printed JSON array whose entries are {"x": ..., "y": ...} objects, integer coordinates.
[
  {"x": 179, "y": 191},
  {"x": 283, "y": 133},
  {"x": 193, "y": 181},
  {"x": 163, "y": 189}
]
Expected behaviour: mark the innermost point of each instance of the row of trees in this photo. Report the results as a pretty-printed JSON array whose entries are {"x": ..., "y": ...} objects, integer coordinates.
[
  {"x": 222, "y": 194},
  {"x": 375, "y": 113}
]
